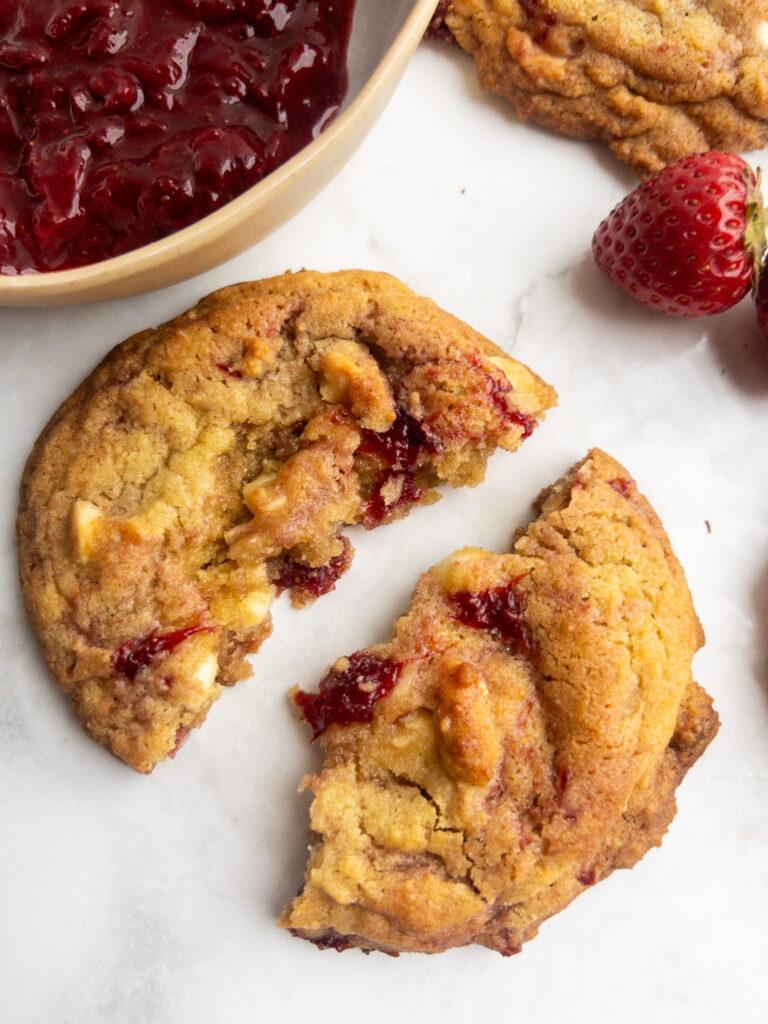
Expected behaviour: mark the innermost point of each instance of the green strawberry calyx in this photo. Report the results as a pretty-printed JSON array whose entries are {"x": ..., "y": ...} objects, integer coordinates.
[{"x": 754, "y": 230}]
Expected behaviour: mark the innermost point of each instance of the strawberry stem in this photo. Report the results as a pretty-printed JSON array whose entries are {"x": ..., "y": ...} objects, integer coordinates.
[{"x": 754, "y": 231}]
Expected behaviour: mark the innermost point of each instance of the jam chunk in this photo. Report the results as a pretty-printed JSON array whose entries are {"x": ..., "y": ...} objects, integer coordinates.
[
  {"x": 310, "y": 582},
  {"x": 498, "y": 610},
  {"x": 348, "y": 693},
  {"x": 136, "y": 654},
  {"x": 400, "y": 448},
  {"x": 377, "y": 508},
  {"x": 402, "y": 445}
]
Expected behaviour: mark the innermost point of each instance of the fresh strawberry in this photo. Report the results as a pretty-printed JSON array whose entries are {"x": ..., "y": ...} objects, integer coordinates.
[{"x": 689, "y": 239}]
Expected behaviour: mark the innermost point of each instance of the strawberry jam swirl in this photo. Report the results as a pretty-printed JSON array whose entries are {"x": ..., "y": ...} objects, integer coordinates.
[
  {"x": 136, "y": 654},
  {"x": 311, "y": 582},
  {"x": 400, "y": 449},
  {"x": 122, "y": 121},
  {"x": 499, "y": 611},
  {"x": 401, "y": 446},
  {"x": 350, "y": 693}
]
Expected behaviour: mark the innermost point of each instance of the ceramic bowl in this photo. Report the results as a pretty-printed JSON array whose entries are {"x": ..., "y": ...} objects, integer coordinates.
[{"x": 384, "y": 36}]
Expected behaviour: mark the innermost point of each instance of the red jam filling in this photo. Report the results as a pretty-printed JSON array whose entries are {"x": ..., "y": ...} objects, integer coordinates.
[
  {"x": 350, "y": 694},
  {"x": 401, "y": 446},
  {"x": 498, "y": 610},
  {"x": 376, "y": 510},
  {"x": 122, "y": 121},
  {"x": 313, "y": 582},
  {"x": 136, "y": 654},
  {"x": 497, "y": 390}
]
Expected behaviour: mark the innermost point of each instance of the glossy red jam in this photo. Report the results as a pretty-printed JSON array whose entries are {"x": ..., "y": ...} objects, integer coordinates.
[
  {"x": 498, "y": 610},
  {"x": 311, "y": 582},
  {"x": 122, "y": 121},
  {"x": 400, "y": 449},
  {"x": 401, "y": 446},
  {"x": 136, "y": 654},
  {"x": 375, "y": 509},
  {"x": 350, "y": 694}
]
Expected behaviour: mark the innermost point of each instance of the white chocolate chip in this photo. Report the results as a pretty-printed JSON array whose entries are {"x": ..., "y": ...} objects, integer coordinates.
[
  {"x": 253, "y": 608},
  {"x": 247, "y": 605},
  {"x": 260, "y": 495},
  {"x": 263, "y": 480},
  {"x": 455, "y": 572},
  {"x": 206, "y": 672},
  {"x": 84, "y": 520},
  {"x": 352, "y": 377},
  {"x": 200, "y": 686}
]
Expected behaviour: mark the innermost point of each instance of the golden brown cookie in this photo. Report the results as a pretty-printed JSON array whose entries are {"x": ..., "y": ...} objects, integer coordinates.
[
  {"x": 520, "y": 735},
  {"x": 210, "y": 463},
  {"x": 654, "y": 80}
]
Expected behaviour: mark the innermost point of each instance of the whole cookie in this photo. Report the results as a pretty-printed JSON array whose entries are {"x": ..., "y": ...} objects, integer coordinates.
[
  {"x": 212, "y": 462},
  {"x": 520, "y": 735},
  {"x": 653, "y": 80}
]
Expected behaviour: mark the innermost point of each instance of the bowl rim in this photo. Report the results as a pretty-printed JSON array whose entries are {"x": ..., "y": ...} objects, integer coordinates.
[{"x": 17, "y": 288}]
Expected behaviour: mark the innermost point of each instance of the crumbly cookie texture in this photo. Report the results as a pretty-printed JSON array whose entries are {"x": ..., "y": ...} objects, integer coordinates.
[
  {"x": 655, "y": 80},
  {"x": 210, "y": 463},
  {"x": 520, "y": 735}
]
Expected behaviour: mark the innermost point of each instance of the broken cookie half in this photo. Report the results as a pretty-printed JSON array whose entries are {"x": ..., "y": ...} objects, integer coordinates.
[
  {"x": 211, "y": 463},
  {"x": 520, "y": 735}
]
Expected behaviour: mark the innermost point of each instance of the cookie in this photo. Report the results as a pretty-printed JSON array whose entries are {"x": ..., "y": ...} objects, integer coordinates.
[
  {"x": 212, "y": 462},
  {"x": 654, "y": 81},
  {"x": 520, "y": 735}
]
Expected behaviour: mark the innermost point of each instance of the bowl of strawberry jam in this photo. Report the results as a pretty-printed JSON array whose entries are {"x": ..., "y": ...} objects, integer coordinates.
[{"x": 143, "y": 142}]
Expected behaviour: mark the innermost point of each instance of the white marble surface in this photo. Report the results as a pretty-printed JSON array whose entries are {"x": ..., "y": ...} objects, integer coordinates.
[{"x": 134, "y": 900}]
